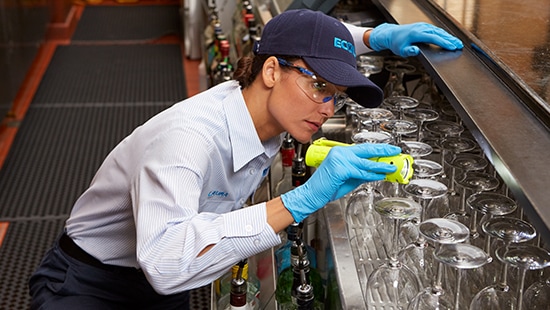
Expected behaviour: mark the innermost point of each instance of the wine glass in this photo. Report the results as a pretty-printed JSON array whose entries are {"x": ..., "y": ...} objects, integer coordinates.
[
  {"x": 463, "y": 162},
  {"x": 432, "y": 232},
  {"x": 427, "y": 169},
  {"x": 400, "y": 104},
  {"x": 523, "y": 257},
  {"x": 395, "y": 86},
  {"x": 398, "y": 128},
  {"x": 420, "y": 116},
  {"x": 506, "y": 230},
  {"x": 443, "y": 129},
  {"x": 424, "y": 191},
  {"x": 370, "y": 118},
  {"x": 489, "y": 204},
  {"x": 451, "y": 146},
  {"x": 425, "y": 90},
  {"x": 462, "y": 257},
  {"x": 471, "y": 182},
  {"x": 365, "y": 226},
  {"x": 393, "y": 284},
  {"x": 537, "y": 296},
  {"x": 364, "y": 136},
  {"x": 370, "y": 64},
  {"x": 416, "y": 149}
]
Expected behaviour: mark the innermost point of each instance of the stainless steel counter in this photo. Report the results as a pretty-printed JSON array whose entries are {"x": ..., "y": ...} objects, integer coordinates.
[{"x": 508, "y": 119}]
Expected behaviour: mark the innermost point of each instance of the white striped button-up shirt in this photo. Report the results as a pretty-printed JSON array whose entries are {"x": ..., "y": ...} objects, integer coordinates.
[{"x": 175, "y": 185}]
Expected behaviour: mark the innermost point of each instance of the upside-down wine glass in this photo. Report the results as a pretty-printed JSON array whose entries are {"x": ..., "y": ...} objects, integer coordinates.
[
  {"x": 462, "y": 257},
  {"x": 498, "y": 295},
  {"x": 400, "y": 104},
  {"x": 370, "y": 64},
  {"x": 425, "y": 192},
  {"x": 463, "y": 162},
  {"x": 420, "y": 116},
  {"x": 370, "y": 118},
  {"x": 469, "y": 183},
  {"x": 395, "y": 85},
  {"x": 537, "y": 296},
  {"x": 425, "y": 90},
  {"x": 416, "y": 149},
  {"x": 489, "y": 204},
  {"x": 393, "y": 284},
  {"x": 427, "y": 169},
  {"x": 523, "y": 257},
  {"x": 398, "y": 128},
  {"x": 451, "y": 146}
]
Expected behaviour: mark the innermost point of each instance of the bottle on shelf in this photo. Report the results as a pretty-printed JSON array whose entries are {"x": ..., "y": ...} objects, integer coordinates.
[
  {"x": 223, "y": 284},
  {"x": 287, "y": 156},
  {"x": 252, "y": 35},
  {"x": 299, "y": 169},
  {"x": 223, "y": 67},
  {"x": 292, "y": 259},
  {"x": 239, "y": 296},
  {"x": 240, "y": 26}
]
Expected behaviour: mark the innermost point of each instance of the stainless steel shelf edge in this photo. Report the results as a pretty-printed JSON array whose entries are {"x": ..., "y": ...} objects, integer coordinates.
[
  {"x": 512, "y": 137},
  {"x": 351, "y": 296}
]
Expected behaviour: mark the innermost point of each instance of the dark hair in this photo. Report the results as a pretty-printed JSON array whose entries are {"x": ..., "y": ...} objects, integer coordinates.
[{"x": 248, "y": 68}]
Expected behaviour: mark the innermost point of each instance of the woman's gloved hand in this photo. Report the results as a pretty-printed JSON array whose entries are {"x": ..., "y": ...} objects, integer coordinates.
[
  {"x": 400, "y": 38},
  {"x": 344, "y": 168}
]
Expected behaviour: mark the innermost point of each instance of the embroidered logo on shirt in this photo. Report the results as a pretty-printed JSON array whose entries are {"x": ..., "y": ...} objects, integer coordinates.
[{"x": 217, "y": 193}]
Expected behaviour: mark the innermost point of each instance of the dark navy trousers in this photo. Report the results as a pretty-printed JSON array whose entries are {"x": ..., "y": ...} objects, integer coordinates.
[{"x": 63, "y": 282}]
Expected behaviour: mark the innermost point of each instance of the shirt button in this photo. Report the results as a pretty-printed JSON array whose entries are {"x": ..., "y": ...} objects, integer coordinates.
[
  {"x": 248, "y": 228},
  {"x": 256, "y": 242},
  {"x": 252, "y": 171}
]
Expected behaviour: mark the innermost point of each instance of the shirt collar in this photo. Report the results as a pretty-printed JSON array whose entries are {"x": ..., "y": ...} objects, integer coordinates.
[{"x": 245, "y": 143}]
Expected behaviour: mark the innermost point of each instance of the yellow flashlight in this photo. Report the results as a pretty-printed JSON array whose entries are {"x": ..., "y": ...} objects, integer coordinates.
[{"x": 319, "y": 149}]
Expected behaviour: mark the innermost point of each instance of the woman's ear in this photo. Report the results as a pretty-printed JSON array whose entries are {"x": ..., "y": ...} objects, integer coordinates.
[{"x": 271, "y": 71}]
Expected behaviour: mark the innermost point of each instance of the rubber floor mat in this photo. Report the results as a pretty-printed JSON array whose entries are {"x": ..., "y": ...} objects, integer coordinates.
[
  {"x": 20, "y": 253},
  {"x": 56, "y": 153},
  {"x": 113, "y": 74},
  {"x": 104, "y": 23}
]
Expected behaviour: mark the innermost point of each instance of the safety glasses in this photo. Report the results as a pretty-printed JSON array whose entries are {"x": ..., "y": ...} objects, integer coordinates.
[{"x": 317, "y": 90}]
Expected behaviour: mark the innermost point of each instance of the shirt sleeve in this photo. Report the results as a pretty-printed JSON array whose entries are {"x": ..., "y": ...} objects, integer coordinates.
[
  {"x": 171, "y": 232},
  {"x": 357, "y": 34}
]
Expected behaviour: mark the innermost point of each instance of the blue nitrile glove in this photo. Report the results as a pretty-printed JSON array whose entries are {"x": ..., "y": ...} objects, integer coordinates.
[
  {"x": 399, "y": 38},
  {"x": 344, "y": 168}
]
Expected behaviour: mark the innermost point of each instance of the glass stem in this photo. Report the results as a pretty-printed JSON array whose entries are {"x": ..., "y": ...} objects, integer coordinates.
[
  {"x": 520, "y": 288},
  {"x": 419, "y": 131},
  {"x": 395, "y": 242},
  {"x": 458, "y": 284}
]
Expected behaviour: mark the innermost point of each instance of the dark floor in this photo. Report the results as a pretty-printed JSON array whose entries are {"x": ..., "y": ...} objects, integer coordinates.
[{"x": 115, "y": 73}]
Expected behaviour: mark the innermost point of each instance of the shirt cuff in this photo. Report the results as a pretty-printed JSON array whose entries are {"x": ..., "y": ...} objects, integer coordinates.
[
  {"x": 357, "y": 34},
  {"x": 247, "y": 229}
]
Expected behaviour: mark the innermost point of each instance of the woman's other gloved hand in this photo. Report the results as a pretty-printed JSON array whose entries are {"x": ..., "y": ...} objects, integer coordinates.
[
  {"x": 400, "y": 38},
  {"x": 344, "y": 168}
]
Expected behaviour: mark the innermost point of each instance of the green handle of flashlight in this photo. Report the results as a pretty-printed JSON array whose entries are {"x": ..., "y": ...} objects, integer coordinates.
[{"x": 319, "y": 149}]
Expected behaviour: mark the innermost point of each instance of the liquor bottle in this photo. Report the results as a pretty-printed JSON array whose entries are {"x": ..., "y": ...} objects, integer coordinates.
[
  {"x": 224, "y": 68},
  {"x": 252, "y": 36},
  {"x": 223, "y": 284},
  {"x": 287, "y": 156},
  {"x": 305, "y": 297},
  {"x": 240, "y": 26},
  {"x": 299, "y": 169},
  {"x": 290, "y": 263},
  {"x": 239, "y": 298}
]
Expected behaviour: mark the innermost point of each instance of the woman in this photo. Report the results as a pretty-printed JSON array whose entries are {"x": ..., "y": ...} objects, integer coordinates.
[{"x": 164, "y": 213}]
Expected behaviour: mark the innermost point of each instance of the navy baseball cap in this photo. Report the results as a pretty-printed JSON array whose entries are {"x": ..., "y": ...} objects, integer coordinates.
[{"x": 325, "y": 44}]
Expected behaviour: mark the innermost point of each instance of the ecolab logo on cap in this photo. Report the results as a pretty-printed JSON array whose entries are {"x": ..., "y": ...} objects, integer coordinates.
[{"x": 345, "y": 45}]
